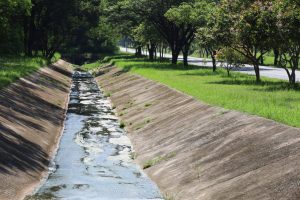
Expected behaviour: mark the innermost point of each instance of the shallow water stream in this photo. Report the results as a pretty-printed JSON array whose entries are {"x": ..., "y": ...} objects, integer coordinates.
[{"x": 93, "y": 161}]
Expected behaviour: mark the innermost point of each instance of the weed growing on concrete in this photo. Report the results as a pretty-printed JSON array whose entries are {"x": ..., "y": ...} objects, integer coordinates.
[
  {"x": 122, "y": 124},
  {"x": 168, "y": 196},
  {"x": 133, "y": 155},
  {"x": 148, "y": 105},
  {"x": 158, "y": 159},
  {"x": 107, "y": 95}
]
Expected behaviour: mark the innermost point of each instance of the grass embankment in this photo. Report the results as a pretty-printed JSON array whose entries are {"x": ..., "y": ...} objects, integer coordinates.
[
  {"x": 273, "y": 99},
  {"x": 14, "y": 67}
]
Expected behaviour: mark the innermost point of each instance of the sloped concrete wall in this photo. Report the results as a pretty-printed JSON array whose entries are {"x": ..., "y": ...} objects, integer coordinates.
[
  {"x": 197, "y": 151},
  {"x": 32, "y": 112}
]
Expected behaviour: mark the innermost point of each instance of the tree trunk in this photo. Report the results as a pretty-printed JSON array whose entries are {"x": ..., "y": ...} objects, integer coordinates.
[
  {"x": 207, "y": 53},
  {"x": 276, "y": 56},
  {"x": 185, "y": 52},
  {"x": 295, "y": 66},
  {"x": 214, "y": 62},
  {"x": 160, "y": 52},
  {"x": 257, "y": 72},
  {"x": 30, "y": 40},
  {"x": 262, "y": 60},
  {"x": 138, "y": 51},
  {"x": 185, "y": 59},
  {"x": 293, "y": 77},
  {"x": 25, "y": 29},
  {"x": 175, "y": 55},
  {"x": 151, "y": 52}
]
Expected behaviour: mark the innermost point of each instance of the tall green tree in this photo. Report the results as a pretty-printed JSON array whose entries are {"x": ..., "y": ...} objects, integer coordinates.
[
  {"x": 251, "y": 28},
  {"x": 12, "y": 14},
  {"x": 147, "y": 35},
  {"x": 184, "y": 16},
  {"x": 210, "y": 30},
  {"x": 288, "y": 37},
  {"x": 154, "y": 12}
]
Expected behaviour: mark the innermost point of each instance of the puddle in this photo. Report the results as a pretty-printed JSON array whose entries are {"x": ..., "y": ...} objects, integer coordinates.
[{"x": 93, "y": 161}]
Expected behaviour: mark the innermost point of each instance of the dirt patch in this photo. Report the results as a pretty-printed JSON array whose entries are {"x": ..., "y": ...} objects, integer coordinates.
[
  {"x": 32, "y": 112},
  {"x": 217, "y": 154}
]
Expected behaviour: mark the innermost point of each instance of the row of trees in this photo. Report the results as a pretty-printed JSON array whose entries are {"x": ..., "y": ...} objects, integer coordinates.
[
  {"x": 45, "y": 26},
  {"x": 250, "y": 28}
]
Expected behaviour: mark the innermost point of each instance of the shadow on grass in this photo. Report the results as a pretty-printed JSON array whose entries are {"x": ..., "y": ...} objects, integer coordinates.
[
  {"x": 146, "y": 64},
  {"x": 131, "y": 62},
  {"x": 119, "y": 57},
  {"x": 206, "y": 72},
  {"x": 267, "y": 86}
]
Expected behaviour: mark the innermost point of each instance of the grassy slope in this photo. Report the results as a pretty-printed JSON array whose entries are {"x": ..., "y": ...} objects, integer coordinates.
[
  {"x": 14, "y": 67},
  {"x": 271, "y": 99}
]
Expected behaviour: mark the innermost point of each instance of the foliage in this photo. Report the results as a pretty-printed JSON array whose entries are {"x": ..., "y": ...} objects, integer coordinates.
[
  {"x": 252, "y": 27},
  {"x": 189, "y": 16},
  {"x": 231, "y": 59},
  {"x": 153, "y": 12},
  {"x": 11, "y": 13},
  {"x": 288, "y": 40},
  {"x": 45, "y": 26}
]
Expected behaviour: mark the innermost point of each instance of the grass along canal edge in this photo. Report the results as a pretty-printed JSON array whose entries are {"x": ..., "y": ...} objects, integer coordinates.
[{"x": 273, "y": 99}]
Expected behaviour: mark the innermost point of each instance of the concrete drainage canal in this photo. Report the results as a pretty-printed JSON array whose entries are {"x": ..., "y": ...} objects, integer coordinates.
[{"x": 93, "y": 161}]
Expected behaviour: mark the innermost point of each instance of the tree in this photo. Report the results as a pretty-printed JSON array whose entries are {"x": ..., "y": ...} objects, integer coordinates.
[
  {"x": 12, "y": 14},
  {"x": 215, "y": 32},
  {"x": 147, "y": 35},
  {"x": 92, "y": 31},
  {"x": 154, "y": 12},
  {"x": 253, "y": 26},
  {"x": 288, "y": 16},
  {"x": 231, "y": 59},
  {"x": 122, "y": 15},
  {"x": 184, "y": 16}
]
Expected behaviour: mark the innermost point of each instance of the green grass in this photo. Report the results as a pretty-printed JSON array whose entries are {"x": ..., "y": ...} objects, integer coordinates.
[
  {"x": 158, "y": 159},
  {"x": 105, "y": 58},
  {"x": 14, "y": 67},
  {"x": 272, "y": 99}
]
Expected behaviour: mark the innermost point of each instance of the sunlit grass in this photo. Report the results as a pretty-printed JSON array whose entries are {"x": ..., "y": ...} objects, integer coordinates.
[
  {"x": 14, "y": 67},
  {"x": 104, "y": 58},
  {"x": 273, "y": 99}
]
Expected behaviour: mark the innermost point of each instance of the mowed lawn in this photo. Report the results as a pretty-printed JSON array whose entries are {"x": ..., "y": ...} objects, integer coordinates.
[
  {"x": 273, "y": 99},
  {"x": 14, "y": 67}
]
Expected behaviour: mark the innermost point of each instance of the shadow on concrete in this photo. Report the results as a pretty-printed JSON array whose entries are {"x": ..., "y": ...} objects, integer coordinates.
[
  {"x": 19, "y": 153},
  {"x": 25, "y": 110}
]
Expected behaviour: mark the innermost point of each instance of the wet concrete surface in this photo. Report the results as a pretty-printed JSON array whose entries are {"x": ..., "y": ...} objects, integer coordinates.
[{"x": 94, "y": 158}]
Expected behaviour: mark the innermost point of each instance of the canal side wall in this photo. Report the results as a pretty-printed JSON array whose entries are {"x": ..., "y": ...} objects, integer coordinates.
[
  {"x": 196, "y": 151},
  {"x": 32, "y": 112}
]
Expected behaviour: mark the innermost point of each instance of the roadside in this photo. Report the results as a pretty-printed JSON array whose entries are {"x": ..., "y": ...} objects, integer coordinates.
[
  {"x": 266, "y": 71},
  {"x": 196, "y": 151},
  {"x": 32, "y": 112}
]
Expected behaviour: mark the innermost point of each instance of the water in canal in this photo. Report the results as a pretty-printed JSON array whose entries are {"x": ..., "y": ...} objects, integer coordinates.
[{"x": 93, "y": 161}]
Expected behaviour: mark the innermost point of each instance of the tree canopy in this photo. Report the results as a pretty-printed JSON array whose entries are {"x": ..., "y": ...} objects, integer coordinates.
[{"x": 250, "y": 27}]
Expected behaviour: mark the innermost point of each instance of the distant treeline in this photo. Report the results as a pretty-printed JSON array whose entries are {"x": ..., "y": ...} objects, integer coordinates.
[
  {"x": 42, "y": 27},
  {"x": 235, "y": 31}
]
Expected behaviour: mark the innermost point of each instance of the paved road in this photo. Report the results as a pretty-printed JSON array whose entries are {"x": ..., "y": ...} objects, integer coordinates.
[{"x": 265, "y": 71}]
